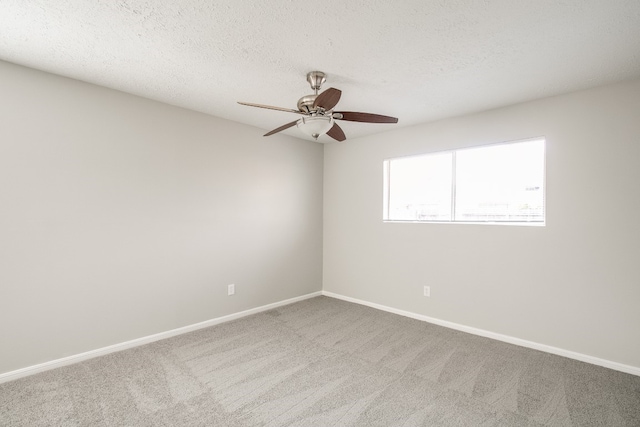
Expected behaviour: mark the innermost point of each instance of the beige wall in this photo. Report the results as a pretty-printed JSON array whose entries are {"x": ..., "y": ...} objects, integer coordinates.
[
  {"x": 121, "y": 217},
  {"x": 573, "y": 284}
]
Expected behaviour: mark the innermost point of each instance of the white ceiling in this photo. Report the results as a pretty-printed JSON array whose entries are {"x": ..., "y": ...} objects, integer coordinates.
[{"x": 418, "y": 60}]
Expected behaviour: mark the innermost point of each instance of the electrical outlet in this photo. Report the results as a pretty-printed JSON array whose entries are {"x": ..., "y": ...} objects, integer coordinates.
[
  {"x": 231, "y": 289},
  {"x": 427, "y": 291}
]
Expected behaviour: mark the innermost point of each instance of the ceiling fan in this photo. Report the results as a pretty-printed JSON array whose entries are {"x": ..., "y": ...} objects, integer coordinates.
[{"x": 317, "y": 111}]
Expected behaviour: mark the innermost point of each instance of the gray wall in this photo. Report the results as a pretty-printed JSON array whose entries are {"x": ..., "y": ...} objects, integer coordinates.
[
  {"x": 121, "y": 217},
  {"x": 574, "y": 284}
]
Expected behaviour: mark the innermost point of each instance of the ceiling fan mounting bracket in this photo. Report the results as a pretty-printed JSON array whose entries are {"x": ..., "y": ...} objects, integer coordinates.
[{"x": 316, "y": 79}]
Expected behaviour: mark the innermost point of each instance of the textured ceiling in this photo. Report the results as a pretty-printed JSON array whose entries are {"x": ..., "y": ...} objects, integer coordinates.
[{"x": 417, "y": 60}]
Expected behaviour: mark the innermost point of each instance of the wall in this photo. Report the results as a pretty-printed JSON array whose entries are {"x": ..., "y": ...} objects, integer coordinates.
[
  {"x": 573, "y": 284},
  {"x": 121, "y": 217}
]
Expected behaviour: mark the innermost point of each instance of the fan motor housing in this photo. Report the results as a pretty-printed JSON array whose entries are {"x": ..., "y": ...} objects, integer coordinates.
[{"x": 305, "y": 104}]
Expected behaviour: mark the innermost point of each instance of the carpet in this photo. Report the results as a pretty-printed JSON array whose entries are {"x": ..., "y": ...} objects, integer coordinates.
[{"x": 325, "y": 362}]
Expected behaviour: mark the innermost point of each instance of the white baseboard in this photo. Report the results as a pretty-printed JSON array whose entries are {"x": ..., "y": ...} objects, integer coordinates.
[
  {"x": 500, "y": 337},
  {"x": 30, "y": 370}
]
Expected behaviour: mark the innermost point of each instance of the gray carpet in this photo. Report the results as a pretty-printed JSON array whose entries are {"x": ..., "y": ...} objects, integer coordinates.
[{"x": 325, "y": 362}]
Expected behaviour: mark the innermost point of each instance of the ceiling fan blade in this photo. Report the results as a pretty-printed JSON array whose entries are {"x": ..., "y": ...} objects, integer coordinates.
[
  {"x": 269, "y": 107},
  {"x": 328, "y": 99},
  {"x": 336, "y": 133},
  {"x": 353, "y": 116},
  {"x": 281, "y": 128}
]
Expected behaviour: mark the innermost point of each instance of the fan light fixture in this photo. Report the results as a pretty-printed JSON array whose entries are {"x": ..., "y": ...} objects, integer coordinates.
[{"x": 315, "y": 126}]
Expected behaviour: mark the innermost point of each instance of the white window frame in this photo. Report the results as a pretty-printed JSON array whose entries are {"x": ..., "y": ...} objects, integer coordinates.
[{"x": 387, "y": 194}]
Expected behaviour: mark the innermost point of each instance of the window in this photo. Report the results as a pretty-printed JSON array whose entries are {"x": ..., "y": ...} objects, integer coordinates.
[{"x": 501, "y": 183}]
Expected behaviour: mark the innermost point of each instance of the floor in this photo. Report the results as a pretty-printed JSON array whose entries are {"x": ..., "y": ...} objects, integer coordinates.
[{"x": 325, "y": 362}]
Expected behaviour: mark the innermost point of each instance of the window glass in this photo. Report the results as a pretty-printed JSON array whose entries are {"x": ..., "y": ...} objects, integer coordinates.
[
  {"x": 420, "y": 188},
  {"x": 500, "y": 183},
  {"x": 494, "y": 183}
]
